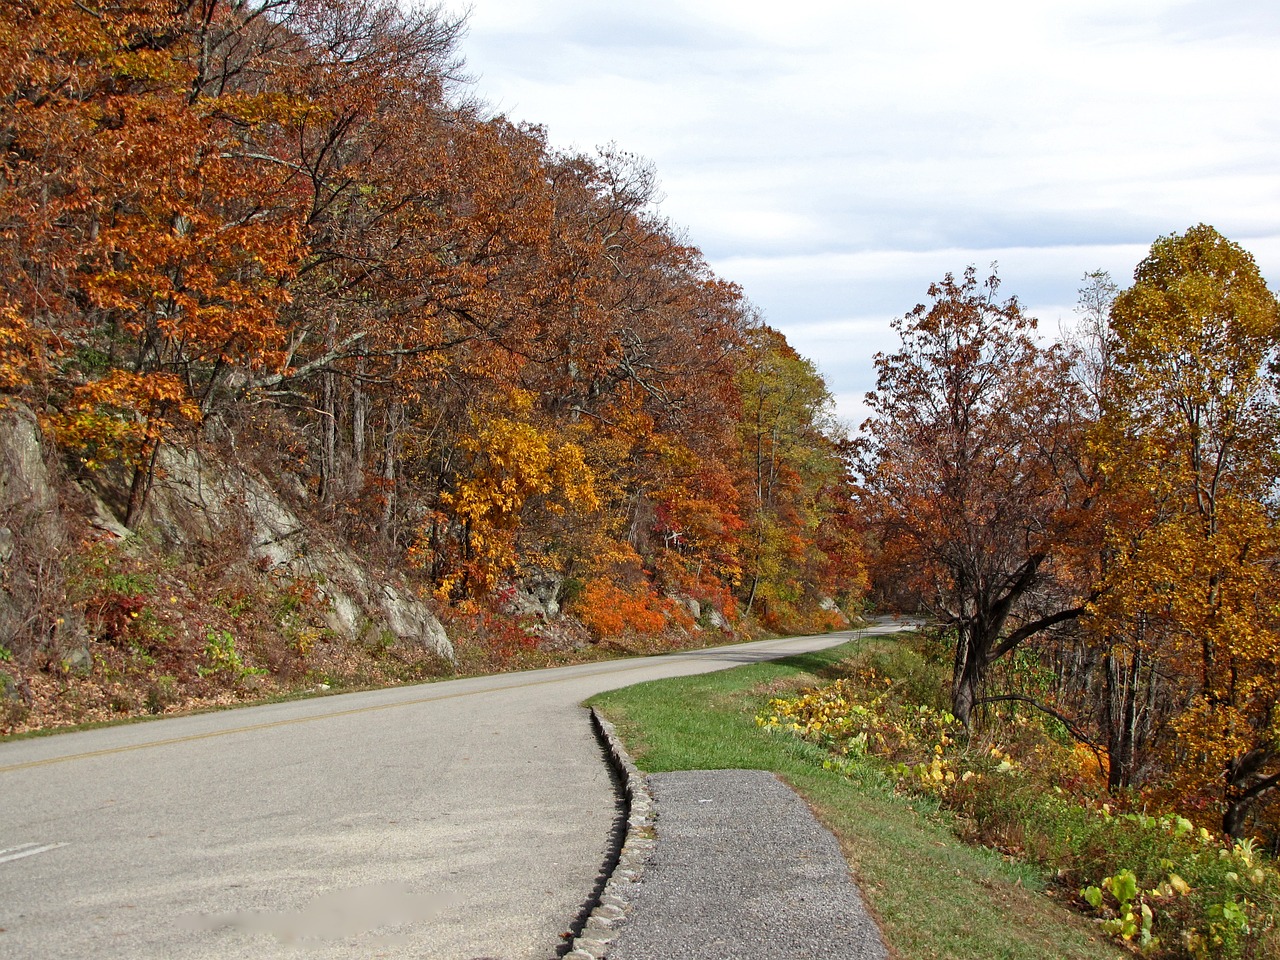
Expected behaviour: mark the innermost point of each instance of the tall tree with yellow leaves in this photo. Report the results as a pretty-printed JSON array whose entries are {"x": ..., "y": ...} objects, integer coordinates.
[{"x": 1190, "y": 444}]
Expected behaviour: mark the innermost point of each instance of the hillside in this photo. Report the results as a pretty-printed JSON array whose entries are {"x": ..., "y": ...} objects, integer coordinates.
[{"x": 278, "y": 293}]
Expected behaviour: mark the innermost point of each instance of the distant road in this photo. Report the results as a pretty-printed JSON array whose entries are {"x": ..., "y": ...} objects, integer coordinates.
[{"x": 460, "y": 820}]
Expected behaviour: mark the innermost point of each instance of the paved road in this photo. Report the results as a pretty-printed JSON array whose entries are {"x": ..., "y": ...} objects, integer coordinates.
[
  {"x": 457, "y": 820},
  {"x": 743, "y": 870}
]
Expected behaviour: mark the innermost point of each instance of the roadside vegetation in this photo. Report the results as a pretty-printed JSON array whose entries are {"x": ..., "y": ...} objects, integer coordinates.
[
  {"x": 997, "y": 841},
  {"x": 173, "y": 637}
]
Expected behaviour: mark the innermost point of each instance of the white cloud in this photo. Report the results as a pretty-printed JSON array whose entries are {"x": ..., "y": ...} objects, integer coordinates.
[{"x": 834, "y": 158}]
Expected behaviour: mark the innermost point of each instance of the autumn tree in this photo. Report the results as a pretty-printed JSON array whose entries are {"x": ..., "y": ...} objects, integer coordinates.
[
  {"x": 797, "y": 551},
  {"x": 1189, "y": 442},
  {"x": 511, "y": 468},
  {"x": 131, "y": 207},
  {"x": 1107, "y": 682},
  {"x": 138, "y": 235},
  {"x": 972, "y": 476}
]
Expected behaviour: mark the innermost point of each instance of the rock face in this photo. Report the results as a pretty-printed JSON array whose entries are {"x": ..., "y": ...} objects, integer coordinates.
[
  {"x": 32, "y": 534},
  {"x": 24, "y": 479},
  {"x": 716, "y": 619},
  {"x": 535, "y": 594},
  {"x": 195, "y": 497}
]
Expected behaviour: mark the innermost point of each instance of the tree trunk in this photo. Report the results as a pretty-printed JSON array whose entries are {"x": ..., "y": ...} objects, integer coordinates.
[
  {"x": 1233, "y": 819},
  {"x": 359, "y": 418},
  {"x": 140, "y": 487},
  {"x": 966, "y": 680},
  {"x": 751, "y": 597},
  {"x": 329, "y": 422},
  {"x": 390, "y": 471},
  {"x": 1122, "y": 718},
  {"x": 1246, "y": 785},
  {"x": 329, "y": 435}
]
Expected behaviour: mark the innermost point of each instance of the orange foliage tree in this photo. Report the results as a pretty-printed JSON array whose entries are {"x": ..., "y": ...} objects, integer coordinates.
[{"x": 138, "y": 234}]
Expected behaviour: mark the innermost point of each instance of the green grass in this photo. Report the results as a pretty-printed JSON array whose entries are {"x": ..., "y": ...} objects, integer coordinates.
[{"x": 935, "y": 898}]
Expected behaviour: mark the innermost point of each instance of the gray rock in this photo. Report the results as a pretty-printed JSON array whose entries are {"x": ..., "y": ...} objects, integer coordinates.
[
  {"x": 536, "y": 593},
  {"x": 104, "y": 520},
  {"x": 79, "y": 660},
  {"x": 691, "y": 605},
  {"x": 24, "y": 478},
  {"x": 33, "y": 545},
  {"x": 195, "y": 497},
  {"x": 69, "y": 630}
]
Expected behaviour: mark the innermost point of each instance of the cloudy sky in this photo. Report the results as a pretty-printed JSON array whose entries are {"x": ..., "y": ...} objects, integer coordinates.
[{"x": 836, "y": 158}]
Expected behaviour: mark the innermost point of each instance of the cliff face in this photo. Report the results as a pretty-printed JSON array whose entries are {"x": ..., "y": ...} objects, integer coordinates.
[{"x": 221, "y": 590}]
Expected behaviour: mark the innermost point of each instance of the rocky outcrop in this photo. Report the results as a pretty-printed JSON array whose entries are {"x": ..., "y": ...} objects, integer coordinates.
[
  {"x": 535, "y": 594},
  {"x": 24, "y": 478},
  {"x": 33, "y": 538},
  {"x": 197, "y": 497},
  {"x": 704, "y": 613}
]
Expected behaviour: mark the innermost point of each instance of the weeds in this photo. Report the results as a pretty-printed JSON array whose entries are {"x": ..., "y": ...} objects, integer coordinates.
[
  {"x": 1154, "y": 882},
  {"x": 221, "y": 656},
  {"x": 142, "y": 631}
]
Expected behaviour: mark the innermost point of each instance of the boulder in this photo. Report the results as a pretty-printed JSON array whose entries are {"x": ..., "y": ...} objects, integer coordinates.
[
  {"x": 716, "y": 619},
  {"x": 24, "y": 478},
  {"x": 535, "y": 593},
  {"x": 33, "y": 533}
]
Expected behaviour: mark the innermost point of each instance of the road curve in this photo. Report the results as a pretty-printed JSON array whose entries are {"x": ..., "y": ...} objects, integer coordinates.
[{"x": 461, "y": 819}]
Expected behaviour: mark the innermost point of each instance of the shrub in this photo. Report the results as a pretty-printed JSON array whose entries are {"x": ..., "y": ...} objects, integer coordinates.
[
  {"x": 610, "y": 611},
  {"x": 221, "y": 655}
]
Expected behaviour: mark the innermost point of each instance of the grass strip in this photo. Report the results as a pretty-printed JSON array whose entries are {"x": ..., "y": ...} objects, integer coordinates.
[{"x": 934, "y": 897}]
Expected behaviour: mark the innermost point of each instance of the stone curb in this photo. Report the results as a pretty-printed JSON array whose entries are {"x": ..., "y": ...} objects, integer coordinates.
[{"x": 619, "y": 890}]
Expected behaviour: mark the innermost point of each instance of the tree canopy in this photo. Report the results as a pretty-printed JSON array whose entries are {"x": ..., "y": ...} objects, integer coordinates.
[
  {"x": 480, "y": 357},
  {"x": 971, "y": 471},
  {"x": 1189, "y": 442}
]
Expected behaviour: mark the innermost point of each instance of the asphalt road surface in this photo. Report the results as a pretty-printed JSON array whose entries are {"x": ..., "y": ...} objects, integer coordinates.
[{"x": 462, "y": 819}]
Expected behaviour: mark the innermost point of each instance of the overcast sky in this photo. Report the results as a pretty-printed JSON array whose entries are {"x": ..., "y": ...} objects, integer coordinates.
[{"x": 836, "y": 158}]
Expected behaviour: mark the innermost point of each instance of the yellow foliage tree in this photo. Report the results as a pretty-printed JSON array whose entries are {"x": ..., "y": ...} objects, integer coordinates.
[
  {"x": 511, "y": 464},
  {"x": 1188, "y": 442},
  {"x": 125, "y": 416}
]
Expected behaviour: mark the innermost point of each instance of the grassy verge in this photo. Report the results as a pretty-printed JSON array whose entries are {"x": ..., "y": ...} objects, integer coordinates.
[{"x": 935, "y": 898}]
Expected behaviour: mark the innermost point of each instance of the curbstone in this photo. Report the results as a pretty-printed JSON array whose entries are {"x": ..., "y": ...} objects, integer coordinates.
[{"x": 613, "y": 904}]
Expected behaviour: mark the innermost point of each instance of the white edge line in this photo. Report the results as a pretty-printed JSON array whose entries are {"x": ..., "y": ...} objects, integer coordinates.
[{"x": 27, "y": 850}]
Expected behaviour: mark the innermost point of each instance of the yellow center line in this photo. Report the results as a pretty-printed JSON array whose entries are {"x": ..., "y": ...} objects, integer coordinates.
[{"x": 254, "y": 727}]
